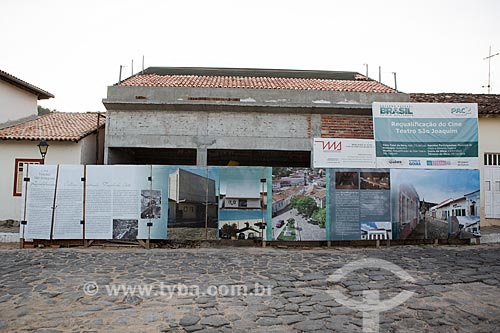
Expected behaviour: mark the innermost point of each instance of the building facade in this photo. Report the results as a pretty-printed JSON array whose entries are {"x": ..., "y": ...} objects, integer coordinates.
[
  {"x": 256, "y": 117},
  {"x": 72, "y": 139},
  {"x": 489, "y": 148},
  {"x": 18, "y": 99},
  {"x": 207, "y": 116}
]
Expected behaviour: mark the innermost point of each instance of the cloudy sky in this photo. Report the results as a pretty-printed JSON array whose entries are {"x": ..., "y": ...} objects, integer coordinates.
[
  {"x": 74, "y": 49},
  {"x": 437, "y": 185}
]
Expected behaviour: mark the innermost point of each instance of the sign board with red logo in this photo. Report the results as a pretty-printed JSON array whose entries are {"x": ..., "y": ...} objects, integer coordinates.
[{"x": 343, "y": 153}]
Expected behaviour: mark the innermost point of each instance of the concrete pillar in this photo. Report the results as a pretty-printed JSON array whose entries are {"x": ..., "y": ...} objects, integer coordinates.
[
  {"x": 315, "y": 132},
  {"x": 201, "y": 157}
]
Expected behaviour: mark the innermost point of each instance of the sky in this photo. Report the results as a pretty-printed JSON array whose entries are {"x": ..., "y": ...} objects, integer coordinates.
[
  {"x": 437, "y": 186},
  {"x": 74, "y": 49}
]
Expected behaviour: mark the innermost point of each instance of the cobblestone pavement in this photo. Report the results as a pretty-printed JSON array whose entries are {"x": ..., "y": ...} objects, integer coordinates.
[{"x": 49, "y": 290}]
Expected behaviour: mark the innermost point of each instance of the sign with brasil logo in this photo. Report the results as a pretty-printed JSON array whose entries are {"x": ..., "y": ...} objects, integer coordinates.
[{"x": 426, "y": 135}]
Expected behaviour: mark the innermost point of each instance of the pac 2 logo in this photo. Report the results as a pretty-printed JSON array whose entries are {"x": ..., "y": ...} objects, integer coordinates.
[{"x": 461, "y": 111}]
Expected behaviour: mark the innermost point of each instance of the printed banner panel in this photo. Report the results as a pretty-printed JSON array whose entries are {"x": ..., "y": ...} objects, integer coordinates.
[
  {"x": 68, "y": 213},
  {"x": 192, "y": 202},
  {"x": 243, "y": 202},
  {"x": 431, "y": 204},
  {"x": 39, "y": 188},
  {"x": 248, "y": 203},
  {"x": 343, "y": 153},
  {"x": 113, "y": 200},
  {"x": 299, "y": 204},
  {"x": 154, "y": 206},
  {"x": 426, "y": 135},
  {"x": 359, "y": 204}
]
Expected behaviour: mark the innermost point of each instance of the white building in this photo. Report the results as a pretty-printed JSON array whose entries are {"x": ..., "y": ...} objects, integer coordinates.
[
  {"x": 18, "y": 100},
  {"x": 472, "y": 203},
  {"x": 489, "y": 148},
  {"x": 72, "y": 140}
]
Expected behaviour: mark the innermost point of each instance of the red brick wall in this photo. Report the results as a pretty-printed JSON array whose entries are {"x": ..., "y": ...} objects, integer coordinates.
[{"x": 347, "y": 126}]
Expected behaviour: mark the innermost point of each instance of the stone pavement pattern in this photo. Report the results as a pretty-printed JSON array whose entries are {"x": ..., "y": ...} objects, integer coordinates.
[{"x": 41, "y": 290}]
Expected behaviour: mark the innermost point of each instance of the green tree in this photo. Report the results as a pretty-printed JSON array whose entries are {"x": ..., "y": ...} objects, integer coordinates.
[
  {"x": 320, "y": 216},
  {"x": 304, "y": 205},
  {"x": 291, "y": 222},
  {"x": 279, "y": 172},
  {"x": 43, "y": 111}
]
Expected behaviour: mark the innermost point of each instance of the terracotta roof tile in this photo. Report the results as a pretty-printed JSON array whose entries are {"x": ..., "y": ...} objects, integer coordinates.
[
  {"x": 55, "y": 126},
  {"x": 487, "y": 104},
  {"x": 359, "y": 84}
]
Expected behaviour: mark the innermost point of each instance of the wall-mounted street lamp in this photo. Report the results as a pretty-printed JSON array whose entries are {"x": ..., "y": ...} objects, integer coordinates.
[{"x": 43, "y": 146}]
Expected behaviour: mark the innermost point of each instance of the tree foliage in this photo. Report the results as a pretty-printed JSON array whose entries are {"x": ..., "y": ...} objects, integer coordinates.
[
  {"x": 320, "y": 216},
  {"x": 304, "y": 205},
  {"x": 43, "y": 111}
]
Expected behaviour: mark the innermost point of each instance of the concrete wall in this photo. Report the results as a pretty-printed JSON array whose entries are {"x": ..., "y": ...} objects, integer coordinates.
[
  {"x": 213, "y": 130},
  {"x": 16, "y": 103},
  {"x": 58, "y": 153},
  {"x": 225, "y": 118},
  {"x": 489, "y": 142},
  {"x": 155, "y": 96},
  {"x": 210, "y": 130}
]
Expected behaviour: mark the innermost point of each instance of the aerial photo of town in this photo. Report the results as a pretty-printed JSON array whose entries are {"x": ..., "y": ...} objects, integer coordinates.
[{"x": 299, "y": 204}]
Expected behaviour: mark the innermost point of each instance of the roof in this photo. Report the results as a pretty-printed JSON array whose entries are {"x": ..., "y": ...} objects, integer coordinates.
[
  {"x": 55, "y": 126},
  {"x": 255, "y": 79},
  {"x": 487, "y": 103},
  {"x": 442, "y": 203},
  {"x": 40, "y": 93}
]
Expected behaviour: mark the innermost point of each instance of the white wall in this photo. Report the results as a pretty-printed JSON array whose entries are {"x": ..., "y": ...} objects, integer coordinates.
[
  {"x": 489, "y": 142},
  {"x": 89, "y": 148},
  {"x": 58, "y": 153},
  {"x": 16, "y": 103}
]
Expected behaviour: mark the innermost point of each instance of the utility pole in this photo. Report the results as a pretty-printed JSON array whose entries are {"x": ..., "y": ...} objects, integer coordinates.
[
  {"x": 366, "y": 65},
  {"x": 489, "y": 68},
  {"x": 380, "y": 74},
  {"x": 395, "y": 81}
]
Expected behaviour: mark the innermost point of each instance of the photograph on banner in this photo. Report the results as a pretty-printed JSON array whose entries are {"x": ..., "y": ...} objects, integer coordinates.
[
  {"x": 68, "y": 213},
  {"x": 150, "y": 204},
  {"x": 343, "y": 153},
  {"x": 113, "y": 200},
  {"x": 426, "y": 135},
  {"x": 435, "y": 204},
  {"x": 39, "y": 186},
  {"x": 298, "y": 204},
  {"x": 192, "y": 202},
  {"x": 359, "y": 204},
  {"x": 126, "y": 229},
  {"x": 243, "y": 201},
  {"x": 154, "y": 207}
]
